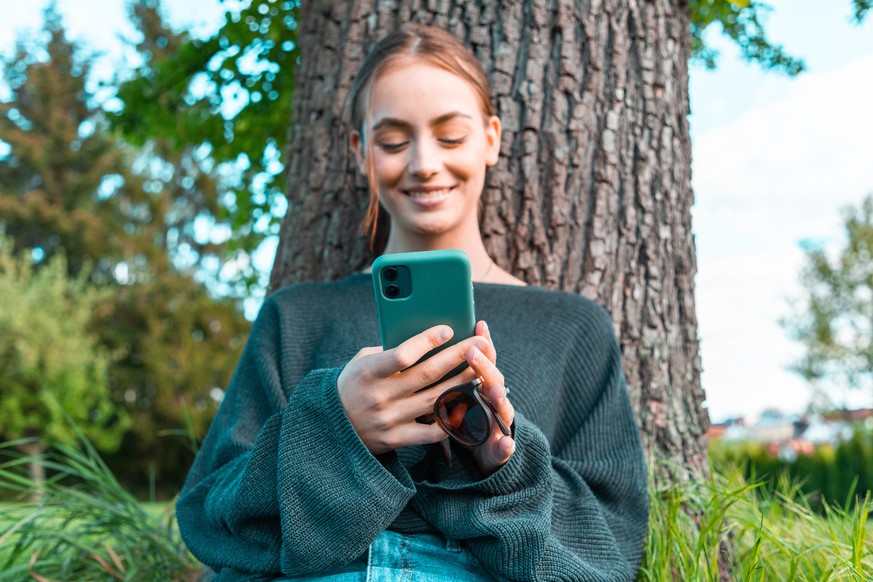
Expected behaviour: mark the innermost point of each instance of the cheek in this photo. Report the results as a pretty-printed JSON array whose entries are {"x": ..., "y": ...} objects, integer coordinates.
[
  {"x": 467, "y": 166},
  {"x": 470, "y": 161},
  {"x": 388, "y": 168}
]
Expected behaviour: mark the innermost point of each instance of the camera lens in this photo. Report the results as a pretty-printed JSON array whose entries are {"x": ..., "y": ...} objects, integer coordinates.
[
  {"x": 392, "y": 291},
  {"x": 390, "y": 274}
]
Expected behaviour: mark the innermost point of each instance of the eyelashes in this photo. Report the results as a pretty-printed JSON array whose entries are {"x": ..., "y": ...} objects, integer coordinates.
[
  {"x": 392, "y": 147},
  {"x": 397, "y": 146}
]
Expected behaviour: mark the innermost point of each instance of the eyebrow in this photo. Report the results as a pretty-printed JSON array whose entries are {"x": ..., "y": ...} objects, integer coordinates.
[{"x": 394, "y": 122}]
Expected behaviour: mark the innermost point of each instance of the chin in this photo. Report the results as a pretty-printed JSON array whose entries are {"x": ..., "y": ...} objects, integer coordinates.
[
  {"x": 434, "y": 223},
  {"x": 429, "y": 227}
]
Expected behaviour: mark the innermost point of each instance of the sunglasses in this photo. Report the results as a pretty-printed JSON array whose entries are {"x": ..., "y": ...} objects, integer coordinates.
[{"x": 466, "y": 416}]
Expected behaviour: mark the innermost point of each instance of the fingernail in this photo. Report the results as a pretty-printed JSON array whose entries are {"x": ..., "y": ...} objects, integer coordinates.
[
  {"x": 476, "y": 354},
  {"x": 445, "y": 333},
  {"x": 485, "y": 327}
]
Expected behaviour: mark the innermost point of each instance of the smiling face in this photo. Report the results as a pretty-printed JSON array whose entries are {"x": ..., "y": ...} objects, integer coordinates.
[{"x": 430, "y": 145}]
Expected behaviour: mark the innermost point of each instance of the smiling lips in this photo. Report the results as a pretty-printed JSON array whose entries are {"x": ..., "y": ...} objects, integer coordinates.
[{"x": 428, "y": 196}]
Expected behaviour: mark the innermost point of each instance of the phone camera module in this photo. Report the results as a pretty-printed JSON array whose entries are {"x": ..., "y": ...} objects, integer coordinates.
[
  {"x": 395, "y": 281},
  {"x": 390, "y": 274}
]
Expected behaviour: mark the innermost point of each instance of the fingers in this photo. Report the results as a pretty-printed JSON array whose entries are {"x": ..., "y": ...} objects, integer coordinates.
[
  {"x": 483, "y": 330},
  {"x": 433, "y": 369},
  {"x": 378, "y": 390},
  {"x": 495, "y": 453},
  {"x": 367, "y": 351},
  {"x": 409, "y": 352},
  {"x": 493, "y": 387},
  {"x": 410, "y": 434},
  {"x": 421, "y": 403}
]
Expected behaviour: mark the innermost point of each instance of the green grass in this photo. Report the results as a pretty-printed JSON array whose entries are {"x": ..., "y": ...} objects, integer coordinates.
[
  {"x": 87, "y": 527},
  {"x": 159, "y": 515},
  {"x": 773, "y": 535}
]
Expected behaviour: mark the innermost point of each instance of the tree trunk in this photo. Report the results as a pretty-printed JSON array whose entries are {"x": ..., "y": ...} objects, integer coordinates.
[{"x": 593, "y": 191}]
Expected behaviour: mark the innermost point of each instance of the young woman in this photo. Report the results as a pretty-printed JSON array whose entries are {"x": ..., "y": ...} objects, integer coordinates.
[{"x": 315, "y": 467}]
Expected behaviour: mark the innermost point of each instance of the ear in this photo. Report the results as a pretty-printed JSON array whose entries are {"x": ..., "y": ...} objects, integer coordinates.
[
  {"x": 358, "y": 147},
  {"x": 492, "y": 140}
]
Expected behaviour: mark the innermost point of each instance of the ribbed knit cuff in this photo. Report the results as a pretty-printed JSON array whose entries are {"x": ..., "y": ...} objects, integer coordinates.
[
  {"x": 531, "y": 460},
  {"x": 335, "y": 486},
  {"x": 325, "y": 437}
]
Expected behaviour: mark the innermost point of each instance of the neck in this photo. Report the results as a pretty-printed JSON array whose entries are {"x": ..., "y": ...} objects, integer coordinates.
[{"x": 480, "y": 262}]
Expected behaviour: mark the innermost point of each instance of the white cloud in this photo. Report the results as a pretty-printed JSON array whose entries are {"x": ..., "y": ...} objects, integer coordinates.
[
  {"x": 777, "y": 175},
  {"x": 817, "y": 142}
]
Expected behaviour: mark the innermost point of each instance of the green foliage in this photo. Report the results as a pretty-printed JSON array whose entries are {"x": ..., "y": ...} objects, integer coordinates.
[
  {"x": 770, "y": 534},
  {"x": 742, "y": 21},
  {"x": 834, "y": 321},
  {"x": 831, "y": 476},
  {"x": 51, "y": 182},
  {"x": 177, "y": 181},
  {"x": 181, "y": 346},
  {"x": 861, "y": 7},
  {"x": 228, "y": 96},
  {"x": 86, "y": 526},
  {"x": 686, "y": 527},
  {"x": 71, "y": 187},
  {"x": 50, "y": 361}
]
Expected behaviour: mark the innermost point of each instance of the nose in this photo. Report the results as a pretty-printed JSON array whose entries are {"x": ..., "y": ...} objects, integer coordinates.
[{"x": 424, "y": 159}]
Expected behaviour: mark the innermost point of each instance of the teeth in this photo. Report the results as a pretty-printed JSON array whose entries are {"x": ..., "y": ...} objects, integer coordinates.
[{"x": 430, "y": 195}]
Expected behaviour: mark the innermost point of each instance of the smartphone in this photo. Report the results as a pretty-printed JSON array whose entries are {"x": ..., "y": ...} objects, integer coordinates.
[{"x": 416, "y": 291}]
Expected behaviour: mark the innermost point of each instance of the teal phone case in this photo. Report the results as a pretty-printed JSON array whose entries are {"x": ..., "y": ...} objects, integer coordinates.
[{"x": 440, "y": 292}]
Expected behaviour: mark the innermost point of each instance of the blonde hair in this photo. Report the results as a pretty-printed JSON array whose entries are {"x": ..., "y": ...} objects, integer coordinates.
[{"x": 416, "y": 42}]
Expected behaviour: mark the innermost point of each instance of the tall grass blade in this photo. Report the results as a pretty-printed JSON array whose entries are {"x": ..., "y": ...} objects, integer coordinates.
[{"x": 85, "y": 526}]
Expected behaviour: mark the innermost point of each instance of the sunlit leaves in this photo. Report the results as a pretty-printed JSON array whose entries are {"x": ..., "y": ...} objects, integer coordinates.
[
  {"x": 231, "y": 92},
  {"x": 742, "y": 22}
]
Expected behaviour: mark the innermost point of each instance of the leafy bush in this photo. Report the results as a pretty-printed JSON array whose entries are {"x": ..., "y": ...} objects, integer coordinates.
[{"x": 53, "y": 367}]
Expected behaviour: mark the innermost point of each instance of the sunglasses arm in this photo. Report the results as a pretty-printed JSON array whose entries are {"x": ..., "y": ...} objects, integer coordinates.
[{"x": 503, "y": 428}]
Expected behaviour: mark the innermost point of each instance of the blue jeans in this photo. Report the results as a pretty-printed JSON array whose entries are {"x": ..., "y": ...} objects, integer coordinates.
[{"x": 394, "y": 557}]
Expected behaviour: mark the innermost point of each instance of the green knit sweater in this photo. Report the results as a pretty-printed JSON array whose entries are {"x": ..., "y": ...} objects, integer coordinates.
[{"x": 283, "y": 483}]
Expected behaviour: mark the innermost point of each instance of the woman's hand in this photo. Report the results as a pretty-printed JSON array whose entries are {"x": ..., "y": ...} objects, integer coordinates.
[
  {"x": 379, "y": 390},
  {"x": 496, "y": 451}
]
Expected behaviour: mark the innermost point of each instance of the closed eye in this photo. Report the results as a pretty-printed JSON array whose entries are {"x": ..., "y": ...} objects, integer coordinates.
[
  {"x": 458, "y": 141},
  {"x": 392, "y": 147}
]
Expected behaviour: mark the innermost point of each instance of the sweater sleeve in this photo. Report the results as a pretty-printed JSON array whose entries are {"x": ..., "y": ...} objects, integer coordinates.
[
  {"x": 285, "y": 486},
  {"x": 578, "y": 513}
]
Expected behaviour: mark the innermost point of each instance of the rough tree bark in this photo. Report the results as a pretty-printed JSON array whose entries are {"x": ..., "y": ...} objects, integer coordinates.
[{"x": 593, "y": 190}]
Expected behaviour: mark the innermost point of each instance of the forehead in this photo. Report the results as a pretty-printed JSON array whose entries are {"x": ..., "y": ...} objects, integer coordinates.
[{"x": 420, "y": 91}]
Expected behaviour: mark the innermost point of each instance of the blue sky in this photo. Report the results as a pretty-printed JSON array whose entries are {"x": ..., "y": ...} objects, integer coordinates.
[{"x": 774, "y": 161}]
